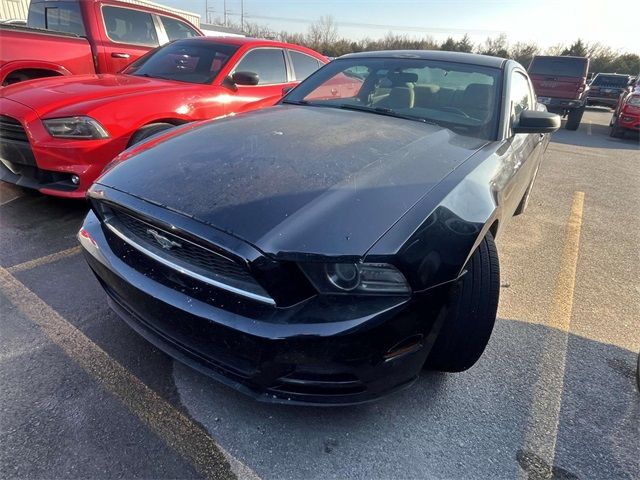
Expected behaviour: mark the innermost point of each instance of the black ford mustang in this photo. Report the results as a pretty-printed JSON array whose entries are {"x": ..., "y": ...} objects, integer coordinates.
[{"x": 327, "y": 249}]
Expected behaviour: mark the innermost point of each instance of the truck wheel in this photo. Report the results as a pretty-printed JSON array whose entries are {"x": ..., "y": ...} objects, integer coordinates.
[
  {"x": 472, "y": 313},
  {"x": 574, "y": 118},
  {"x": 615, "y": 131},
  {"x": 148, "y": 131}
]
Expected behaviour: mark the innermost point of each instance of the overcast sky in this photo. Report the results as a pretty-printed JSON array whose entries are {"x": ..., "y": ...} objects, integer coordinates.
[{"x": 547, "y": 22}]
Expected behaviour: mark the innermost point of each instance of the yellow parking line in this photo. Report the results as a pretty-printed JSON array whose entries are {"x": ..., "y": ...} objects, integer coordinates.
[
  {"x": 174, "y": 428},
  {"x": 44, "y": 260},
  {"x": 542, "y": 429}
]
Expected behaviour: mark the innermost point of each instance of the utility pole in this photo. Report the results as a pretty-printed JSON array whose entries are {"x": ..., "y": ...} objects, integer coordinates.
[
  {"x": 225, "y": 13},
  {"x": 242, "y": 16}
]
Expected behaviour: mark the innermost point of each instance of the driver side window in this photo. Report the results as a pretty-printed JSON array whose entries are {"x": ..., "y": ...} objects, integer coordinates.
[{"x": 520, "y": 98}]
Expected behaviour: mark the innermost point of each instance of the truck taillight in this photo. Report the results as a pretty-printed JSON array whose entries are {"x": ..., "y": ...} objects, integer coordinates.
[{"x": 583, "y": 85}]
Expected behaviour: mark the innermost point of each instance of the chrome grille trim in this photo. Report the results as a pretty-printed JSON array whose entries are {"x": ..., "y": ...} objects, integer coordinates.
[{"x": 178, "y": 268}]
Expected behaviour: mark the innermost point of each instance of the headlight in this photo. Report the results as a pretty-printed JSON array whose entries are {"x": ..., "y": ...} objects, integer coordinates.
[
  {"x": 75, "y": 127},
  {"x": 356, "y": 278}
]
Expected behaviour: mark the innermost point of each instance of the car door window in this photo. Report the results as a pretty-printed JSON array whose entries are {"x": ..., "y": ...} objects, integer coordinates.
[
  {"x": 520, "y": 97},
  {"x": 176, "y": 29},
  {"x": 125, "y": 25},
  {"x": 268, "y": 63},
  {"x": 303, "y": 65}
]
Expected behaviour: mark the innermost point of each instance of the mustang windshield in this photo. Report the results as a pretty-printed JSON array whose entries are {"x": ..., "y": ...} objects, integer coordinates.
[
  {"x": 461, "y": 97},
  {"x": 184, "y": 61}
]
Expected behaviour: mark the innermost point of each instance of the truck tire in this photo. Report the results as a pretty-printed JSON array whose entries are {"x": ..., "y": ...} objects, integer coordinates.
[
  {"x": 574, "y": 118},
  {"x": 472, "y": 313},
  {"x": 148, "y": 131}
]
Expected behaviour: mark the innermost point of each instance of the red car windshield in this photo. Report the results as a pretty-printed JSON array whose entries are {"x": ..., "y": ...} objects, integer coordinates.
[{"x": 184, "y": 61}]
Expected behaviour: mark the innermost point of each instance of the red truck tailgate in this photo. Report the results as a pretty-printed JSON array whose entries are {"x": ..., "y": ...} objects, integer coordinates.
[{"x": 557, "y": 87}]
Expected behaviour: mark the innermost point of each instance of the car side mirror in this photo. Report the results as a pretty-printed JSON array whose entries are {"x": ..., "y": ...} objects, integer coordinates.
[
  {"x": 532, "y": 121},
  {"x": 245, "y": 78}
]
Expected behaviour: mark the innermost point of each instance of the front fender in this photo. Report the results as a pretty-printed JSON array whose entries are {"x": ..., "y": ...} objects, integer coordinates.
[{"x": 432, "y": 243}]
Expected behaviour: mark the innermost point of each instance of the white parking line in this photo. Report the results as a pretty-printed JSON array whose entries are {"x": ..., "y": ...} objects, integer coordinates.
[
  {"x": 177, "y": 430},
  {"x": 44, "y": 260}
]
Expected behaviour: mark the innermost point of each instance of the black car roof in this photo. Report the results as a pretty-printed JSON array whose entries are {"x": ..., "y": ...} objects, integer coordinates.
[{"x": 439, "y": 55}]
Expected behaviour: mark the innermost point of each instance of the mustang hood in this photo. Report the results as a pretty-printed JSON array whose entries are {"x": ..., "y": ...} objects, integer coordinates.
[
  {"x": 49, "y": 95},
  {"x": 293, "y": 179}
]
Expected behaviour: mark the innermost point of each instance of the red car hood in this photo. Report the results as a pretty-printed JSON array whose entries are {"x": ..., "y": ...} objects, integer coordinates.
[{"x": 51, "y": 94}]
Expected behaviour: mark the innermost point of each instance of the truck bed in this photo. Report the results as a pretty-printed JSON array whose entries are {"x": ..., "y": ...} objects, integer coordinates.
[{"x": 64, "y": 53}]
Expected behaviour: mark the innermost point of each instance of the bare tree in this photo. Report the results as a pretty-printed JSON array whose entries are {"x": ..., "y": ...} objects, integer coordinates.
[
  {"x": 555, "y": 50},
  {"x": 322, "y": 33}
]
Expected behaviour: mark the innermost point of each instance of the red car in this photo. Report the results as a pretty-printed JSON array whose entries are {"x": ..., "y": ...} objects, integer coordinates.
[
  {"x": 57, "y": 134},
  {"x": 626, "y": 117}
]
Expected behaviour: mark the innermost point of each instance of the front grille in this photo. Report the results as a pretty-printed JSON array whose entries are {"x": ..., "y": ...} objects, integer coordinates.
[
  {"x": 332, "y": 384},
  {"x": 176, "y": 251},
  {"x": 12, "y": 129},
  {"x": 188, "y": 252}
]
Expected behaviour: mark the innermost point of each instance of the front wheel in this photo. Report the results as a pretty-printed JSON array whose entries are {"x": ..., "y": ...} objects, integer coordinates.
[
  {"x": 574, "y": 118},
  {"x": 149, "y": 131},
  {"x": 472, "y": 313},
  {"x": 615, "y": 131}
]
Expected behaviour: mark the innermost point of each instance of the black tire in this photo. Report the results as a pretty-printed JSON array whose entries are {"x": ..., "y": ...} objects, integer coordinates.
[
  {"x": 574, "y": 118},
  {"x": 615, "y": 131},
  {"x": 472, "y": 314},
  {"x": 148, "y": 131}
]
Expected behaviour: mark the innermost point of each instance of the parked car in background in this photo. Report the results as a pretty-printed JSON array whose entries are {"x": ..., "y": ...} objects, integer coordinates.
[
  {"x": 626, "y": 116},
  {"x": 72, "y": 37},
  {"x": 561, "y": 85},
  {"x": 606, "y": 88},
  {"x": 57, "y": 134},
  {"x": 326, "y": 249}
]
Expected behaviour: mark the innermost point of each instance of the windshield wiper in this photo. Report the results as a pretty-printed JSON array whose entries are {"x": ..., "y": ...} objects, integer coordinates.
[
  {"x": 296, "y": 102},
  {"x": 146, "y": 75},
  {"x": 384, "y": 111}
]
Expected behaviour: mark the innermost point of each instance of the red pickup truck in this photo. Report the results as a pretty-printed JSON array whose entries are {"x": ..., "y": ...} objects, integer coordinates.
[
  {"x": 561, "y": 84},
  {"x": 72, "y": 37}
]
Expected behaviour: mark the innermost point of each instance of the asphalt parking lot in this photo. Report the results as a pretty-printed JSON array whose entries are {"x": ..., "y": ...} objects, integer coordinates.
[{"x": 554, "y": 396}]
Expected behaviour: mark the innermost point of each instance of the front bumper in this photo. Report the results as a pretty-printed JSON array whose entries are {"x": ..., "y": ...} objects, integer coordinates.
[
  {"x": 603, "y": 101},
  {"x": 556, "y": 105},
  {"x": 328, "y": 350},
  {"x": 47, "y": 164},
  {"x": 629, "y": 121}
]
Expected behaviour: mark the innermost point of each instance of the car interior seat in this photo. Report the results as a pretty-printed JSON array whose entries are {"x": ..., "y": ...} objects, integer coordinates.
[
  {"x": 401, "y": 94},
  {"x": 476, "y": 100}
]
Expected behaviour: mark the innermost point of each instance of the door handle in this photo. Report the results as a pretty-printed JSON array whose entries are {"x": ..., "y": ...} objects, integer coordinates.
[{"x": 120, "y": 55}]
